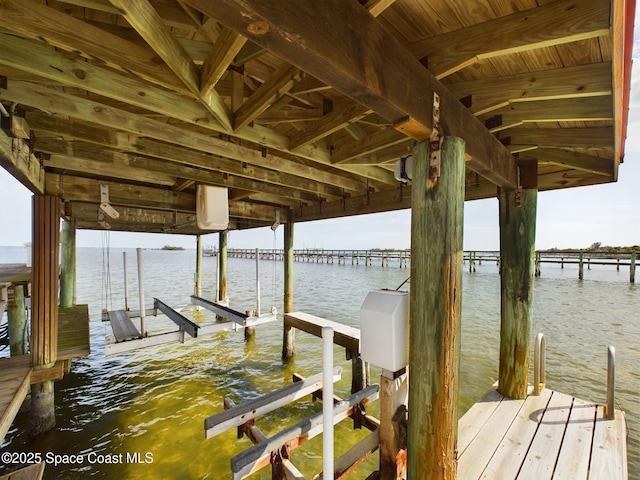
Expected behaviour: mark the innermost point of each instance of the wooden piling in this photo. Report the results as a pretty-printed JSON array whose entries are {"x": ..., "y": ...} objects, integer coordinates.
[
  {"x": 16, "y": 316},
  {"x": 68, "y": 264},
  {"x": 222, "y": 265},
  {"x": 517, "y": 250},
  {"x": 289, "y": 333},
  {"x": 436, "y": 293},
  {"x": 581, "y": 266},
  {"x": 632, "y": 268},
  {"x": 44, "y": 321},
  {"x": 394, "y": 396}
]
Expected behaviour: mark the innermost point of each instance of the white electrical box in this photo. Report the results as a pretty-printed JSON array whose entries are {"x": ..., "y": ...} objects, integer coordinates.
[
  {"x": 212, "y": 208},
  {"x": 384, "y": 329}
]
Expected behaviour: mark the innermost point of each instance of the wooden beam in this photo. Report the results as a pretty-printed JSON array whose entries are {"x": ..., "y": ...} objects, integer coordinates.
[
  {"x": 368, "y": 65},
  {"x": 551, "y": 24},
  {"x": 40, "y": 60},
  {"x": 78, "y": 189},
  {"x": 488, "y": 94},
  {"x": 179, "y": 162},
  {"x": 113, "y": 118},
  {"x": 435, "y": 312},
  {"x": 73, "y": 35},
  {"x": 221, "y": 55},
  {"x": 146, "y": 21},
  {"x": 17, "y": 159},
  {"x": 271, "y": 90},
  {"x": 517, "y": 248}
]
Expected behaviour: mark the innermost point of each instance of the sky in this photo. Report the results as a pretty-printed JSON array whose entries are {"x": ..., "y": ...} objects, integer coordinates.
[{"x": 570, "y": 218}]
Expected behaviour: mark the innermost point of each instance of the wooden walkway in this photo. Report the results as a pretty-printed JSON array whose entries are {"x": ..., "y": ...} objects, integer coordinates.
[
  {"x": 15, "y": 376},
  {"x": 551, "y": 436}
]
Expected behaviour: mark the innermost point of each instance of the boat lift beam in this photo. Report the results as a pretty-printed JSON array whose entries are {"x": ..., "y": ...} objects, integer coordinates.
[
  {"x": 183, "y": 322},
  {"x": 235, "y": 316}
]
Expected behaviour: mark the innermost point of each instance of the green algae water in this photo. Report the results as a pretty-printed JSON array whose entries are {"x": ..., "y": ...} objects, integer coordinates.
[{"x": 140, "y": 415}]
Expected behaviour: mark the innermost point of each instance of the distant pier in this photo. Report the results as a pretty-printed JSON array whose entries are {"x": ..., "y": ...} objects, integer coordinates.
[{"x": 402, "y": 258}]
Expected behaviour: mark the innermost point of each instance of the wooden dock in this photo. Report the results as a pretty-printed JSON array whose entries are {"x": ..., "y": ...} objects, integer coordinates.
[
  {"x": 550, "y": 436},
  {"x": 15, "y": 375},
  {"x": 402, "y": 258}
]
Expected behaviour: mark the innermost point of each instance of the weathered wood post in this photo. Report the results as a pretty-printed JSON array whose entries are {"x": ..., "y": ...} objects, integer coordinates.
[
  {"x": 632, "y": 268},
  {"x": 44, "y": 321},
  {"x": 68, "y": 264},
  {"x": 289, "y": 333},
  {"x": 394, "y": 395},
  {"x": 199, "y": 251},
  {"x": 222, "y": 265},
  {"x": 17, "y": 319},
  {"x": 435, "y": 299},
  {"x": 581, "y": 266},
  {"x": 517, "y": 250}
]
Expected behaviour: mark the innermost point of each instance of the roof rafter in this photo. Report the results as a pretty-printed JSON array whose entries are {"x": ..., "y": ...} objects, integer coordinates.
[
  {"x": 73, "y": 35},
  {"x": 368, "y": 65},
  {"x": 220, "y": 57},
  {"x": 146, "y": 21}
]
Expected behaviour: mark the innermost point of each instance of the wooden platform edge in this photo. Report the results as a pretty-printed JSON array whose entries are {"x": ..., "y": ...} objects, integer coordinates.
[
  {"x": 344, "y": 335},
  {"x": 30, "y": 472}
]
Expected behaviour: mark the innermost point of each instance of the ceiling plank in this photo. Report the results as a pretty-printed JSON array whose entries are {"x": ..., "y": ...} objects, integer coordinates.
[
  {"x": 563, "y": 110},
  {"x": 488, "y": 94},
  {"x": 279, "y": 83},
  {"x": 221, "y": 55},
  {"x": 576, "y": 160},
  {"x": 562, "y": 137},
  {"x": 146, "y": 21},
  {"x": 368, "y": 65},
  {"x": 555, "y": 23},
  {"x": 73, "y": 35}
]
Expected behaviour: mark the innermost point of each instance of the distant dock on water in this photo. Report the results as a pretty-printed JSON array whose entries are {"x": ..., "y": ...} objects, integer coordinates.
[{"x": 402, "y": 258}]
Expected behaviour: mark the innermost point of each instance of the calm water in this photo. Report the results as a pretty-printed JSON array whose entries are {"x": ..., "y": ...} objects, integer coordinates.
[{"x": 155, "y": 400}]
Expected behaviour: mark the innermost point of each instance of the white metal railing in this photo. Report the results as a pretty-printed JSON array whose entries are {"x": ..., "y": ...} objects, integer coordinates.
[
  {"x": 609, "y": 408},
  {"x": 539, "y": 360}
]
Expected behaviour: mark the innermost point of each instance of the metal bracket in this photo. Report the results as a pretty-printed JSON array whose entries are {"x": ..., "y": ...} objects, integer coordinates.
[
  {"x": 434, "y": 142},
  {"x": 104, "y": 202}
]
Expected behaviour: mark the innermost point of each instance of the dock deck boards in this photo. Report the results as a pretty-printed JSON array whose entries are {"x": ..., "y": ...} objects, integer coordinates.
[
  {"x": 551, "y": 436},
  {"x": 122, "y": 326},
  {"x": 15, "y": 375}
]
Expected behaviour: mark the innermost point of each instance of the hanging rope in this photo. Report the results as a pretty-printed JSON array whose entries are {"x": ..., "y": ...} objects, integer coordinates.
[
  {"x": 107, "y": 301},
  {"x": 273, "y": 283}
]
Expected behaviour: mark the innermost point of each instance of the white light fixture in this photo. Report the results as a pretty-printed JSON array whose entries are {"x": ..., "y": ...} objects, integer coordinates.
[{"x": 403, "y": 169}]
